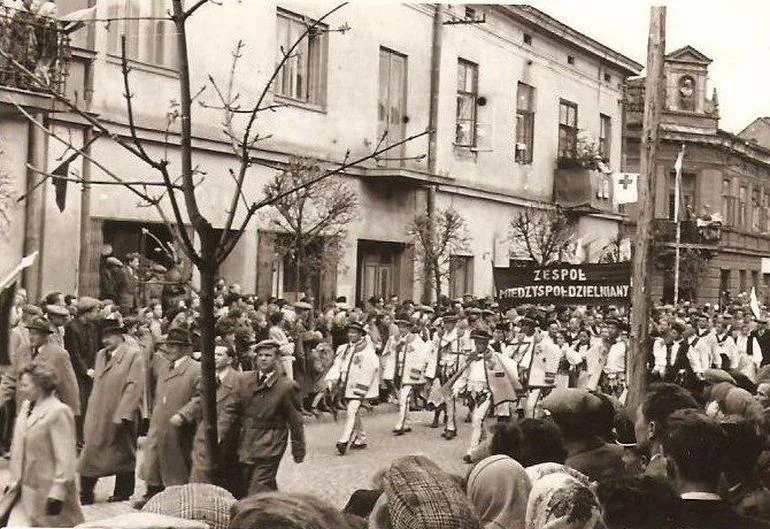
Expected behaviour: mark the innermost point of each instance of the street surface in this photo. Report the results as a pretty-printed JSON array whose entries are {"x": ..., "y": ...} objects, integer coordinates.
[{"x": 326, "y": 474}]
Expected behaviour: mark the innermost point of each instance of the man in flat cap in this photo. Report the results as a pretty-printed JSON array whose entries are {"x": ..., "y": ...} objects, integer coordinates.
[
  {"x": 174, "y": 381},
  {"x": 58, "y": 316},
  {"x": 20, "y": 333},
  {"x": 267, "y": 403},
  {"x": 356, "y": 370}
]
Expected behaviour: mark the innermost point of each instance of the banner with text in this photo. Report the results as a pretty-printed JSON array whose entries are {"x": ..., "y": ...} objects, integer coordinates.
[{"x": 564, "y": 284}]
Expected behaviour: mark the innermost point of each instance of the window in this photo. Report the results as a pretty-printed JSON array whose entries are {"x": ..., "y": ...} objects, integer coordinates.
[
  {"x": 605, "y": 136},
  {"x": 525, "y": 122},
  {"x": 467, "y": 94},
  {"x": 742, "y": 207},
  {"x": 528, "y": 39},
  {"x": 470, "y": 13},
  {"x": 303, "y": 75},
  {"x": 755, "y": 279},
  {"x": 742, "y": 280},
  {"x": 149, "y": 41},
  {"x": 687, "y": 194},
  {"x": 570, "y": 59},
  {"x": 567, "y": 129},
  {"x": 607, "y": 78},
  {"x": 391, "y": 105},
  {"x": 724, "y": 281},
  {"x": 728, "y": 201},
  {"x": 460, "y": 275},
  {"x": 756, "y": 209}
]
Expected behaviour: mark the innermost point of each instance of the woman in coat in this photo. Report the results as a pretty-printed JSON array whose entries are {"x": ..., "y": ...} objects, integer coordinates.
[{"x": 43, "y": 455}]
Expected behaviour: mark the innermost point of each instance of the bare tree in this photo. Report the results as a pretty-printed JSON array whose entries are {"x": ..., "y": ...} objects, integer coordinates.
[
  {"x": 436, "y": 239},
  {"x": 543, "y": 235},
  {"x": 176, "y": 191},
  {"x": 313, "y": 221},
  {"x": 617, "y": 250}
]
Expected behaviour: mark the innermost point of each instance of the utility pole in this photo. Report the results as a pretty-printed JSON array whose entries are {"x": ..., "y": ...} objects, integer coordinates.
[{"x": 640, "y": 294}]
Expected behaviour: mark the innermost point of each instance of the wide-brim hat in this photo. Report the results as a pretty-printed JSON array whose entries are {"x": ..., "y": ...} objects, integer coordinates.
[
  {"x": 112, "y": 326},
  {"x": 355, "y": 325},
  {"x": 32, "y": 310},
  {"x": 87, "y": 303},
  {"x": 402, "y": 319},
  {"x": 524, "y": 321},
  {"x": 114, "y": 261},
  {"x": 450, "y": 317},
  {"x": 57, "y": 310},
  {"x": 303, "y": 305},
  {"x": 425, "y": 308},
  {"x": 179, "y": 336},
  {"x": 480, "y": 334},
  {"x": 40, "y": 324},
  {"x": 266, "y": 344}
]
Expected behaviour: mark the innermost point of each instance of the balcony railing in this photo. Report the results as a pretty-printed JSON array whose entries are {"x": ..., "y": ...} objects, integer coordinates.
[
  {"x": 692, "y": 232},
  {"x": 34, "y": 50}
]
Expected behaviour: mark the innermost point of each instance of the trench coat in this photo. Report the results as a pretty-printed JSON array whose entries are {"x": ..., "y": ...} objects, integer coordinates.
[
  {"x": 112, "y": 414},
  {"x": 55, "y": 356},
  {"x": 167, "y": 448},
  {"x": 43, "y": 462},
  {"x": 226, "y": 419},
  {"x": 270, "y": 412},
  {"x": 357, "y": 367},
  {"x": 81, "y": 340}
]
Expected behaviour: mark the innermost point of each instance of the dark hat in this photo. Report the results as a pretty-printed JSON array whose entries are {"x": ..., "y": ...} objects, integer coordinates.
[
  {"x": 57, "y": 310},
  {"x": 480, "y": 334},
  {"x": 355, "y": 325},
  {"x": 132, "y": 255},
  {"x": 32, "y": 310},
  {"x": 450, "y": 317},
  {"x": 178, "y": 335},
  {"x": 111, "y": 326},
  {"x": 266, "y": 344},
  {"x": 402, "y": 319},
  {"x": 527, "y": 322},
  {"x": 573, "y": 402},
  {"x": 502, "y": 326},
  {"x": 40, "y": 324}
]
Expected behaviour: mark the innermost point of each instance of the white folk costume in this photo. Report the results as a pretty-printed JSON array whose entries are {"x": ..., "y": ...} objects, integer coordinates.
[
  {"x": 493, "y": 384},
  {"x": 613, "y": 380},
  {"x": 726, "y": 350},
  {"x": 414, "y": 356},
  {"x": 577, "y": 357},
  {"x": 702, "y": 352},
  {"x": 448, "y": 353},
  {"x": 542, "y": 373},
  {"x": 356, "y": 369}
]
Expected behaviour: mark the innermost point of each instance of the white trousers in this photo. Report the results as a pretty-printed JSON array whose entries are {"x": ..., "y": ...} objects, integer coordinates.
[
  {"x": 477, "y": 423},
  {"x": 353, "y": 430},
  {"x": 404, "y": 396}
]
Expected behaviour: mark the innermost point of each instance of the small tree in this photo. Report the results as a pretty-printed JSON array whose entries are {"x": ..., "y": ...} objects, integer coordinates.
[
  {"x": 617, "y": 250},
  {"x": 315, "y": 219},
  {"x": 436, "y": 239},
  {"x": 543, "y": 235}
]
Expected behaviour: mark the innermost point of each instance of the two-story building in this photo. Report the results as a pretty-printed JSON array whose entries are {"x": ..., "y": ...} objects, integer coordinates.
[
  {"x": 725, "y": 178},
  {"x": 508, "y": 92}
]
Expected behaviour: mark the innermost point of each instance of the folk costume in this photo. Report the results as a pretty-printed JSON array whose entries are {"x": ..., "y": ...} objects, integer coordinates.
[
  {"x": 356, "y": 371},
  {"x": 411, "y": 366}
]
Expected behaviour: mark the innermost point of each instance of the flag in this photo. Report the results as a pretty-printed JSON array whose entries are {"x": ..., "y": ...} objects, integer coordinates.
[
  {"x": 6, "y": 304},
  {"x": 625, "y": 190},
  {"x": 60, "y": 184},
  {"x": 677, "y": 183},
  {"x": 754, "y": 303}
]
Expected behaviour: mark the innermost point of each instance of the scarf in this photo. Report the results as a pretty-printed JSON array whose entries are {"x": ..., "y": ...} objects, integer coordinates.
[
  {"x": 561, "y": 501},
  {"x": 499, "y": 489}
]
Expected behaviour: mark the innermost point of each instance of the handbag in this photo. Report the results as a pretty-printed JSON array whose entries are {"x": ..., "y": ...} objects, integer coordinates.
[{"x": 7, "y": 501}]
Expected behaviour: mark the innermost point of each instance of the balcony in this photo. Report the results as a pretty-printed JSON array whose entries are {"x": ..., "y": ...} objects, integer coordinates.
[
  {"x": 693, "y": 232},
  {"x": 580, "y": 187},
  {"x": 38, "y": 44}
]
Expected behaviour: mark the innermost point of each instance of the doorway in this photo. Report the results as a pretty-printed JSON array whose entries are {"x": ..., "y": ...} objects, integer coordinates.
[{"x": 379, "y": 269}]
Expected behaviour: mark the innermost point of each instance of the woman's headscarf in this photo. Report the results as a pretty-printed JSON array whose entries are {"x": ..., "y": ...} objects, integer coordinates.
[
  {"x": 499, "y": 488},
  {"x": 560, "y": 501}
]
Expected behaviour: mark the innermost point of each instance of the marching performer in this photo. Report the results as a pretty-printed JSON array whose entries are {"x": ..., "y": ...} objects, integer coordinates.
[
  {"x": 450, "y": 347},
  {"x": 542, "y": 371},
  {"x": 356, "y": 370},
  {"x": 411, "y": 366},
  {"x": 491, "y": 381}
]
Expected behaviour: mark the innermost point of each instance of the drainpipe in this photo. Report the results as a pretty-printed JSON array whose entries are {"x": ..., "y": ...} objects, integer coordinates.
[{"x": 435, "y": 77}]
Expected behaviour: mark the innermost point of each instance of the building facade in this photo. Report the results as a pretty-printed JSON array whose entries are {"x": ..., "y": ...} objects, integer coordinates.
[
  {"x": 725, "y": 188},
  {"x": 508, "y": 92}
]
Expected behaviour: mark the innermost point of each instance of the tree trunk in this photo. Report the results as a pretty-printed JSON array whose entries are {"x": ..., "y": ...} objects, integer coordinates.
[
  {"x": 437, "y": 281},
  {"x": 208, "y": 371}
]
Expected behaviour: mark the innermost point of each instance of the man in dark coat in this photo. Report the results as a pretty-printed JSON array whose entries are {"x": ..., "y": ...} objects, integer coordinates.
[
  {"x": 267, "y": 402},
  {"x": 174, "y": 377},
  {"x": 112, "y": 418},
  {"x": 81, "y": 340},
  {"x": 762, "y": 336}
]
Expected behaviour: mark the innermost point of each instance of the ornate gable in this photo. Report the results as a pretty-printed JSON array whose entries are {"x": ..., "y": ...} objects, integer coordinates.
[{"x": 688, "y": 54}]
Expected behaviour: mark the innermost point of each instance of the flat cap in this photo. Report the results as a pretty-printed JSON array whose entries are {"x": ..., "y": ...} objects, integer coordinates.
[
  {"x": 194, "y": 501},
  {"x": 32, "y": 310},
  {"x": 356, "y": 325},
  {"x": 573, "y": 402},
  {"x": 178, "y": 335},
  {"x": 266, "y": 344},
  {"x": 86, "y": 303},
  {"x": 40, "y": 324},
  {"x": 57, "y": 310},
  {"x": 111, "y": 326},
  {"x": 114, "y": 261},
  {"x": 715, "y": 376},
  {"x": 480, "y": 334}
]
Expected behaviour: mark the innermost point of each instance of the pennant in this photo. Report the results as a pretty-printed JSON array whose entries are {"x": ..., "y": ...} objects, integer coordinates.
[
  {"x": 678, "y": 182},
  {"x": 625, "y": 187},
  {"x": 60, "y": 184},
  {"x": 6, "y": 304},
  {"x": 754, "y": 303}
]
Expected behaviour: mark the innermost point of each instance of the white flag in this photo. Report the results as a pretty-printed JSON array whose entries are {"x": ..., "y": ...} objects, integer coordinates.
[
  {"x": 677, "y": 182},
  {"x": 625, "y": 187},
  {"x": 754, "y": 303}
]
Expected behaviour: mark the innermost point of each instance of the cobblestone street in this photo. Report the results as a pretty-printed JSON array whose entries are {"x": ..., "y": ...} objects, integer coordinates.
[{"x": 326, "y": 474}]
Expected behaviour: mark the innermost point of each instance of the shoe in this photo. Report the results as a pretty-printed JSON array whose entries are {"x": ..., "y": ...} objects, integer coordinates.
[
  {"x": 398, "y": 431},
  {"x": 434, "y": 424},
  {"x": 117, "y": 499},
  {"x": 407, "y": 429},
  {"x": 467, "y": 459},
  {"x": 341, "y": 448},
  {"x": 359, "y": 446},
  {"x": 87, "y": 499},
  {"x": 449, "y": 435}
]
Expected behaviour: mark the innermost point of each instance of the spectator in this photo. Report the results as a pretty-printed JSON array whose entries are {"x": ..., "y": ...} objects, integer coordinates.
[
  {"x": 561, "y": 500},
  {"x": 274, "y": 510},
  {"x": 638, "y": 502},
  {"x": 498, "y": 488}
]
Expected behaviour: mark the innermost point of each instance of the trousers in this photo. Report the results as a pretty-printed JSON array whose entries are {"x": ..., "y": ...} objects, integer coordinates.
[
  {"x": 353, "y": 430},
  {"x": 261, "y": 475},
  {"x": 403, "y": 406}
]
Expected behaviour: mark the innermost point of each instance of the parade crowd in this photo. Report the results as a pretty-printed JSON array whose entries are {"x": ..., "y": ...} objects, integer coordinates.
[{"x": 552, "y": 444}]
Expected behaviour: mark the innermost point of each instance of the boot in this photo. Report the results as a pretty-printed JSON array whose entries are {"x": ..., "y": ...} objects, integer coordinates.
[
  {"x": 434, "y": 424},
  {"x": 342, "y": 448}
]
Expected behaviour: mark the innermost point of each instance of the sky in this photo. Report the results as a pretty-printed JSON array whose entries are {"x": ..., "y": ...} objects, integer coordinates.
[{"x": 735, "y": 34}]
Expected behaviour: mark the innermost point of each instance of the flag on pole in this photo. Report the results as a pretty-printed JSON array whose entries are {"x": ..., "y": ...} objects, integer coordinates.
[
  {"x": 625, "y": 190},
  {"x": 59, "y": 177},
  {"x": 678, "y": 182},
  {"x": 754, "y": 303}
]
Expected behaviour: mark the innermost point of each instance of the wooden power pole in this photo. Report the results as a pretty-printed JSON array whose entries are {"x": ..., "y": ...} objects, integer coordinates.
[{"x": 640, "y": 295}]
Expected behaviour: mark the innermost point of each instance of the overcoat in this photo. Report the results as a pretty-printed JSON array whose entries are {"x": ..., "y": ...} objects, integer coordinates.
[
  {"x": 269, "y": 414},
  {"x": 112, "y": 414},
  {"x": 167, "y": 448},
  {"x": 357, "y": 367},
  {"x": 43, "y": 462},
  {"x": 56, "y": 357}
]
